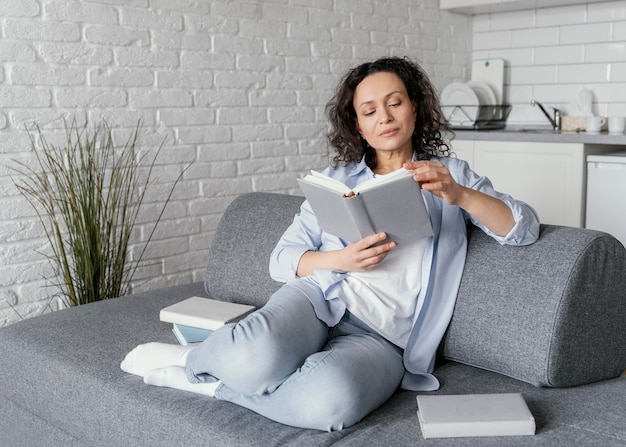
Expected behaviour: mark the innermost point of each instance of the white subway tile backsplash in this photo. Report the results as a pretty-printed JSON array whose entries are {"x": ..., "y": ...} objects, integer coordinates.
[
  {"x": 535, "y": 37},
  {"x": 513, "y": 56},
  {"x": 619, "y": 31},
  {"x": 580, "y": 74},
  {"x": 512, "y": 20},
  {"x": 551, "y": 58},
  {"x": 609, "y": 93},
  {"x": 605, "y": 52},
  {"x": 518, "y": 94},
  {"x": 618, "y": 72},
  {"x": 567, "y": 15},
  {"x": 534, "y": 75},
  {"x": 563, "y": 54},
  {"x": 552, "y": 95},
  {"x": 606, "y": 11},
  {"x": 481, "y": 23},
  {"x": 594, "y": 32},
  {"x": 491, "y": 40}
]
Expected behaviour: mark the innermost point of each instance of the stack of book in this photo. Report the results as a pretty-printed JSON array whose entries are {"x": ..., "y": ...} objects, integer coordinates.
[{"x": 195, "y": 318}]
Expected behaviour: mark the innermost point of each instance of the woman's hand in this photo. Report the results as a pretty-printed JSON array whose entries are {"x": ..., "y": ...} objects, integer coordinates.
[
  {"x": 357, "y": 257},
  {"x": 433, "y": 176},
  {"x": 365, "y": 254}
]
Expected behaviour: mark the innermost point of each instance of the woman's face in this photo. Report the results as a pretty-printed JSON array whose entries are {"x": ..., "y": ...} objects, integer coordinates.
[{"x": 385, "y": 115}]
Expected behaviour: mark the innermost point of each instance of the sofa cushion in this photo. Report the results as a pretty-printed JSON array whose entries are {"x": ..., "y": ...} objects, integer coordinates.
[
  {"x": 238, "y": 261},
  {"x": 551, "y": 314}
]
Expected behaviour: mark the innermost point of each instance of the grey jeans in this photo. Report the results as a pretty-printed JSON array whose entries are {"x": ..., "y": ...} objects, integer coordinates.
[{"x": 285, "y": 364}]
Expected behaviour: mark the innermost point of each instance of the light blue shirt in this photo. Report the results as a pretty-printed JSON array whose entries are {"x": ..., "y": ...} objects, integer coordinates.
[{"x": 442, "y": 264}]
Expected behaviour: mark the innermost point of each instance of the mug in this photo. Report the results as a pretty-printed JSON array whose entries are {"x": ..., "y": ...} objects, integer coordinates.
[
  {"x": 594, "y": 123},
  {"x": 617, "y": 124}
]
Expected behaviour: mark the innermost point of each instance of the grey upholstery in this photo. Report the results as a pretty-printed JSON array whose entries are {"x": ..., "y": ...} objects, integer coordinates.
[
  {"x": 237, "y": 264},
  {"x": 60, "y": 382},
  {"x": 551, "y": 314}
]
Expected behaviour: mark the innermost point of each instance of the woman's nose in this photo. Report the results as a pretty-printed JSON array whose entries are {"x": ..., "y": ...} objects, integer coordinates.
[{"x": 385, "y": 116}]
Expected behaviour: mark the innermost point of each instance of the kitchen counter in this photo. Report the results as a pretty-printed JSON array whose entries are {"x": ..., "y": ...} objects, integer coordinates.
[{"x": 540, "y": 135}]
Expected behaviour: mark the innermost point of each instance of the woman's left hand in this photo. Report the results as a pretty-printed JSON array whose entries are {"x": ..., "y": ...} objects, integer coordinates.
[{"x": 433, "y": 176}]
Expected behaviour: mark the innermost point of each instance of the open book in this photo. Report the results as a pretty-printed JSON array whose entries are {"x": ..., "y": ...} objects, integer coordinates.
[{"x": 392, "y": 203}]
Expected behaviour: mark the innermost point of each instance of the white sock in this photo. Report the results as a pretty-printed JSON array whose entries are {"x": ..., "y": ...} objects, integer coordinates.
[
  {"x": 175, "y": 377},
  {"x": 154, "y": 355}
]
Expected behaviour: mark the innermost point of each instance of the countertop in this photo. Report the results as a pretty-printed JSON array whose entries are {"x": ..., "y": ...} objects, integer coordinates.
[{"x": 540, "y": 135}]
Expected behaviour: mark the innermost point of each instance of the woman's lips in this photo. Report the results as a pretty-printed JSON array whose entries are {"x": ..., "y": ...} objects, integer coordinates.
[{"x": 388, "y": 133}]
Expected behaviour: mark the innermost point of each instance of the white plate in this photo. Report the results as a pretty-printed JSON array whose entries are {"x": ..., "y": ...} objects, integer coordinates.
[
  {"x": 485, "y": 94},
  {"x": 460, "y": 104},
  {"x": 486, "y": 97}
]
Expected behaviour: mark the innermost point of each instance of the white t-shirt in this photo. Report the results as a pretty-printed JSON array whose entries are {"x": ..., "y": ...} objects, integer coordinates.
[{"x": 385, "y": 298}]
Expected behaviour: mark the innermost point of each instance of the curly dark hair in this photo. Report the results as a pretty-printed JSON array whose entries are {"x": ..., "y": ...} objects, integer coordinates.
[{"x": 343, "y": 135}]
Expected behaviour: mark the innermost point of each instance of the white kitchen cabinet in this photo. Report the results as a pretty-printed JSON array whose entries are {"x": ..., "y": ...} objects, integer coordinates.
[
  {"x": 471, "y": 7},
  {"x": 464, "y": 150},
  {"x": 549, "y": 176}
]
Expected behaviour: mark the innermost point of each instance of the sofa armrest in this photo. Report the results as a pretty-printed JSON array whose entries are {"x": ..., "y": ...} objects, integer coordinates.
[{"x": 551, "y": 314}]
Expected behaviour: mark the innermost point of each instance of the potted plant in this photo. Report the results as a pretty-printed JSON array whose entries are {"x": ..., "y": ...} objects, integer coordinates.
[{"x": 88, "y": 194}]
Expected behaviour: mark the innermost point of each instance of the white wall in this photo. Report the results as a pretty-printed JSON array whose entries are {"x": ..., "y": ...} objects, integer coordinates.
[
  {"x": 238, "y": 89},
  {"x": 553, "y": 53}
]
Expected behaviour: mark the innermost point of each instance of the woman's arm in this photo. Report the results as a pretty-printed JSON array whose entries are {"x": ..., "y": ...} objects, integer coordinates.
[
  {"x": 304, "y": 248},
  {"x": 359, "y": 256},
  {"x": 492, "y": 212}
]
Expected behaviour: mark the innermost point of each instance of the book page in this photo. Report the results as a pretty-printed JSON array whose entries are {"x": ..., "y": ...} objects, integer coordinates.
[
  {"x": 326, "y": 182},
  {"x": 382, "y": 179},
  {"x": 335, "y": 185}
]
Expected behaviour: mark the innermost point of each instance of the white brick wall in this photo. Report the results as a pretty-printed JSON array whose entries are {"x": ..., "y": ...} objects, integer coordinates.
[
  {"x": 553, "y": 53},
  {"x": 238, "y": 88}
]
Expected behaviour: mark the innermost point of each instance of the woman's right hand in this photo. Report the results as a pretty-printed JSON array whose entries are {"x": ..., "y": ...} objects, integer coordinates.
[{"x": 360, "y": 256}]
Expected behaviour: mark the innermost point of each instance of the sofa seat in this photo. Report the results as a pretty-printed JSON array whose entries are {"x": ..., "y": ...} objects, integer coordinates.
[{"x": 61, "y": 383}]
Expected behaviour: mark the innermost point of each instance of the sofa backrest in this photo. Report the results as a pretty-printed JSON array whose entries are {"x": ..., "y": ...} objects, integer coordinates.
[
  {"x": 237, "y": 267},
  {"x": 551, "y": 314}
]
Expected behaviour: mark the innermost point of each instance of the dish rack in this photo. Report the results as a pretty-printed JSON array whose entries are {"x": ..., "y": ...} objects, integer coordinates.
[{"x": 476, "y": 117}]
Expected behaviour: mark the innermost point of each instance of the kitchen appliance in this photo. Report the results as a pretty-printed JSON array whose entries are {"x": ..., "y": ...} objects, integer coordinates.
[{"x": 606, "y": 183}]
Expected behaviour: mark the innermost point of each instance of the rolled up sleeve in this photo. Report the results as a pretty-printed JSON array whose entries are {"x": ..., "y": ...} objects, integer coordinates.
[{"x": 525, "y": 231}]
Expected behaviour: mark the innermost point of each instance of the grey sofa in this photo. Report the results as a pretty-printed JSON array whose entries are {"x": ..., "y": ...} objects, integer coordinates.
[{"x": 547, "y": 321}]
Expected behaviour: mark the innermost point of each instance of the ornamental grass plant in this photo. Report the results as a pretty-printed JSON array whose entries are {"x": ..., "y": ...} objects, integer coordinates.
[{"x": 87, "y": 194}]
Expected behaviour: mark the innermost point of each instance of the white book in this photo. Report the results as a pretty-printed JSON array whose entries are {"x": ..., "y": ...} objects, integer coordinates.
[
  {"x": 468, "y": 415},
  {"x": 204, "y": 313},
  {"x": 391, "y": 203}
]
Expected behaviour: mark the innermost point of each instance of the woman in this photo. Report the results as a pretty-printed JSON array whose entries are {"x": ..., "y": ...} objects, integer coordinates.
[{"x": 353, "y": 322}]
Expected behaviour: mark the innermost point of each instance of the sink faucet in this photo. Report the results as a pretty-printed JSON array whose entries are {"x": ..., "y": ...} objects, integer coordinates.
[{"x": 556, "y": 121}]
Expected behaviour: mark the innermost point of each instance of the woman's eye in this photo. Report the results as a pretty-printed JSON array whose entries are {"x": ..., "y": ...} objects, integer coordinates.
[
  {"x": 394, "y": 104},
  {"x": 369, "y": 112}
]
